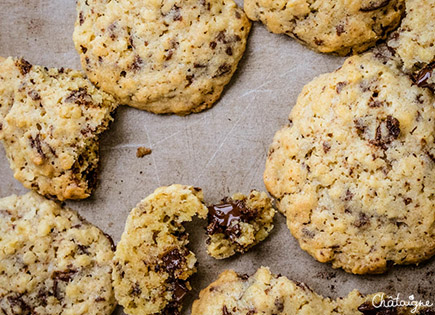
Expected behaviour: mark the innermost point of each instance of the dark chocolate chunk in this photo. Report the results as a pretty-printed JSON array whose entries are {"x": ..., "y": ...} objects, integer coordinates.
[
  {"x": 213, "y": 45},
  {"x": 23, "y": 65},
  {"x": 225, "y": 311},
  {"x": 229, "y": 51},
  {"x": 318, "y": 42},
  {"x": 225, "y": 216},
  {"x": 340, "y": 86},
  {"x": 374, "y": 5},
  {"x": 173, "y": 260},
  {"x": 79, "y": 97},
  {"x": 34, "y": 95},
  {"x": 422, "y": 77},
  {"x": 339, "y": 29},
  {"x": 362, "y": 220},
  {"x": 222, "y": 70},
  {"x": 189, "y": 79},
  {"x": 386, "y": 132},
  {"x": 81, "y": 18},
  {"x": 36, "y": 143},
  {"x": 136, "y": 290},
  {"x": 137, "y": 63},
  {"x": 65, "y": 276},
  {"x": 279, "y": 305},
  {"x": 84, "y": 49},
  {"x": 179, "y": 291}
]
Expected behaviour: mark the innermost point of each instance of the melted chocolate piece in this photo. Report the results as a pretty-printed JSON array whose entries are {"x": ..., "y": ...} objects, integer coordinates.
[
  {"x": 424, "y": 75},
  {"x": 386, "y": 132},
  {"x": 172, "y": 261},
  {"x": 225, "y": 216},
  {"x": 79, "y": 97},
  {"x": 179, "y": 291},
  {"x": 374, "y": 5}
]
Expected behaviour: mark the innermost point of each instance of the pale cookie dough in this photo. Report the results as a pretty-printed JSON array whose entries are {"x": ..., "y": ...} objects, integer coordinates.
[
  {"x": 340, "y": 26},
  {"x": 238, "y": 223},
  {"x": 414, "y": 41},
  {"x": 152, "y": 263},
  {"x": 354, "y": 171},
  {"x": 168, "y": 56},
  {"x": 50, "y": 122},
  {"x": 269, "y": 294},
  {"x": 51, "y": 260}
]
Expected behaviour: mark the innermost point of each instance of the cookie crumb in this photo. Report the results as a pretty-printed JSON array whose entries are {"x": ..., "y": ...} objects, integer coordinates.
[{"x": 142, "y": 151}]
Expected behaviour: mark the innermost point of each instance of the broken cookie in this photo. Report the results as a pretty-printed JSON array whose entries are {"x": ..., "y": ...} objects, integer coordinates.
[
  {"x": 152, "y": 263},
  {"x": 238, "y": 223},
  {"x": 50, "y": 123}
]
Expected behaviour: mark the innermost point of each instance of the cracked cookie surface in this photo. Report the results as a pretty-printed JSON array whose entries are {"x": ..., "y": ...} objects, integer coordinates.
[
  {"x": 51, "y": 260},
  {"x": 414, "y": 41},
  {"x": 269, "y": 294},
  {"x": 340, "y": 27},
  {"x": 238, "y": 223},
  {"x": 354, "y": 171},
  {"x": 50, "y": 122},
  {"x": 152, "y": 263},
  {"x": 167, "y": 56}
]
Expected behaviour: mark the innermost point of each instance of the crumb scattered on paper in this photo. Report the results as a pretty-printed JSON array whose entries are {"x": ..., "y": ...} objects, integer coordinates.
[{"x": 142, "y": 151}]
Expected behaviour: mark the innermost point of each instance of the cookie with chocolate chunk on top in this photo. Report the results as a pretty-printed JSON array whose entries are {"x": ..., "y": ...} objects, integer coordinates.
[
  {"x": 414, "y": 42},
  {"x": 340, "y": 26},
  {"x": 52, "y": 261},
  {"x": 50, "y": 123},
  {"x": 270, "y": 294},
  {"x": 167, "y": 56},
  {"x": 152, "y": 263},
  {"x": 238, "y": 223},
  {"x": 354, "y": 171}
]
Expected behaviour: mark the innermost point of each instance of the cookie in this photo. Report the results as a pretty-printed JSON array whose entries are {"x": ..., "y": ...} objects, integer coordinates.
[
  {"x": 354, "y": 171},
  {"x": 414, "y": 41},
  {"x": 340, "y": 27},
  {"x": 269, "y": 294},
  {"x": 152, "y": 263},
  {"x": 167, "y": 56},
  {"x": 50, "y": 122},
  {"x": 238, "y": 223},
  {"x": 51, "y": 260}
]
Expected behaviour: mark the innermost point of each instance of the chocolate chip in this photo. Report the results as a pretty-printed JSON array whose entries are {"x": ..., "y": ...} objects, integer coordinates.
[
  {"x": 374, "y": 103},
  {"x": 225, "y": 311},
  {"x": 362, "y": 220},
  {"x": 34, "y": 95},
  {"x": 65, "y": 276},
  {"x": 421, "y": 79},
  {"x": 222, "y": 70},
  {"x": 82, "y": 249},
  {"x": 173, "y": 260},
  {"x": 221, "y": 37},
  {"x": 374, "y": 5},
  {"x": 225, "y": 216},
  {"x": 205, "y": 4},
  {"x": 213, "y": 45},
  {"x": 84, "y": 49},
  {"x": 189, "y": 79},
  {"x": 18, "y": 305},
  {"x": 23, "y": 66},
  {"x": 137, "y": 63},
  {"x": 229, "y": 51},
  {"x": 407, "y": 201},
  {"x": 318, "y": 42},
  {"x": 179, "y": 291},
  {"x": 79, "y": 97},
  {"x": 36, "y": 143},
  {"x": 81, "y": 18},
  {"x": 100, "y": 299},
  {"x": 339, "y": 29},
  {"x": 326, "y": 147},
  {"x": 176, "y": 13},
  {"x": 136, "y": 290},
  {"x": 279, "y": 305},
  {"x": 386, "y": 132}
]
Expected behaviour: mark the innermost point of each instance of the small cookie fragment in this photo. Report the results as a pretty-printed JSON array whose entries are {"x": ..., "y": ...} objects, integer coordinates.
[
  {"x": 170, "y": 56},
  {"x": 50, "y": 122},
  {"x": 414, "y": 42},
  {"x": 238, "y": 223},
  {"x": 143, "y": 151},
  {"x": 51, "y": 260},
  {"x": 269, "y": 294},
  {"x": 342, "y": 27},
  {"x": 354, "y": 172},
  {"x": 152, "y": 263}
]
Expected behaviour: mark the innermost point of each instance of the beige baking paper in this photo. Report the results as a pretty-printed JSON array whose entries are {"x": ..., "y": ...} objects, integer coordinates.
[{"x": 222, "y": 150}]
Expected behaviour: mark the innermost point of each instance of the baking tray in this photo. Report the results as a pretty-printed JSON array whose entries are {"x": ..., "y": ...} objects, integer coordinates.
[{"x": 223, "y": 150}]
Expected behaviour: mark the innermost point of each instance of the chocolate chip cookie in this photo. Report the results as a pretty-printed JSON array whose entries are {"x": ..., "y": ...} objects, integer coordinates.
[
  {"x": 50, "y": 122},
  {"x": 266, "y": 293},
  {"x": 152, "y": 263},
  {"x": 414, "y": 41},
  {"x": 161, "y": 56},
  {"x": 238, "y": 223},
  {"x": 340, "y": 27},
  {"x": 354, "y": 171},
  {"x": 51, "y": 260}
]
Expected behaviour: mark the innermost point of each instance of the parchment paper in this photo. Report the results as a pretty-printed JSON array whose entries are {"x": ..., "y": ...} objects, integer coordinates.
[{"x": 222, "y": 150}]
